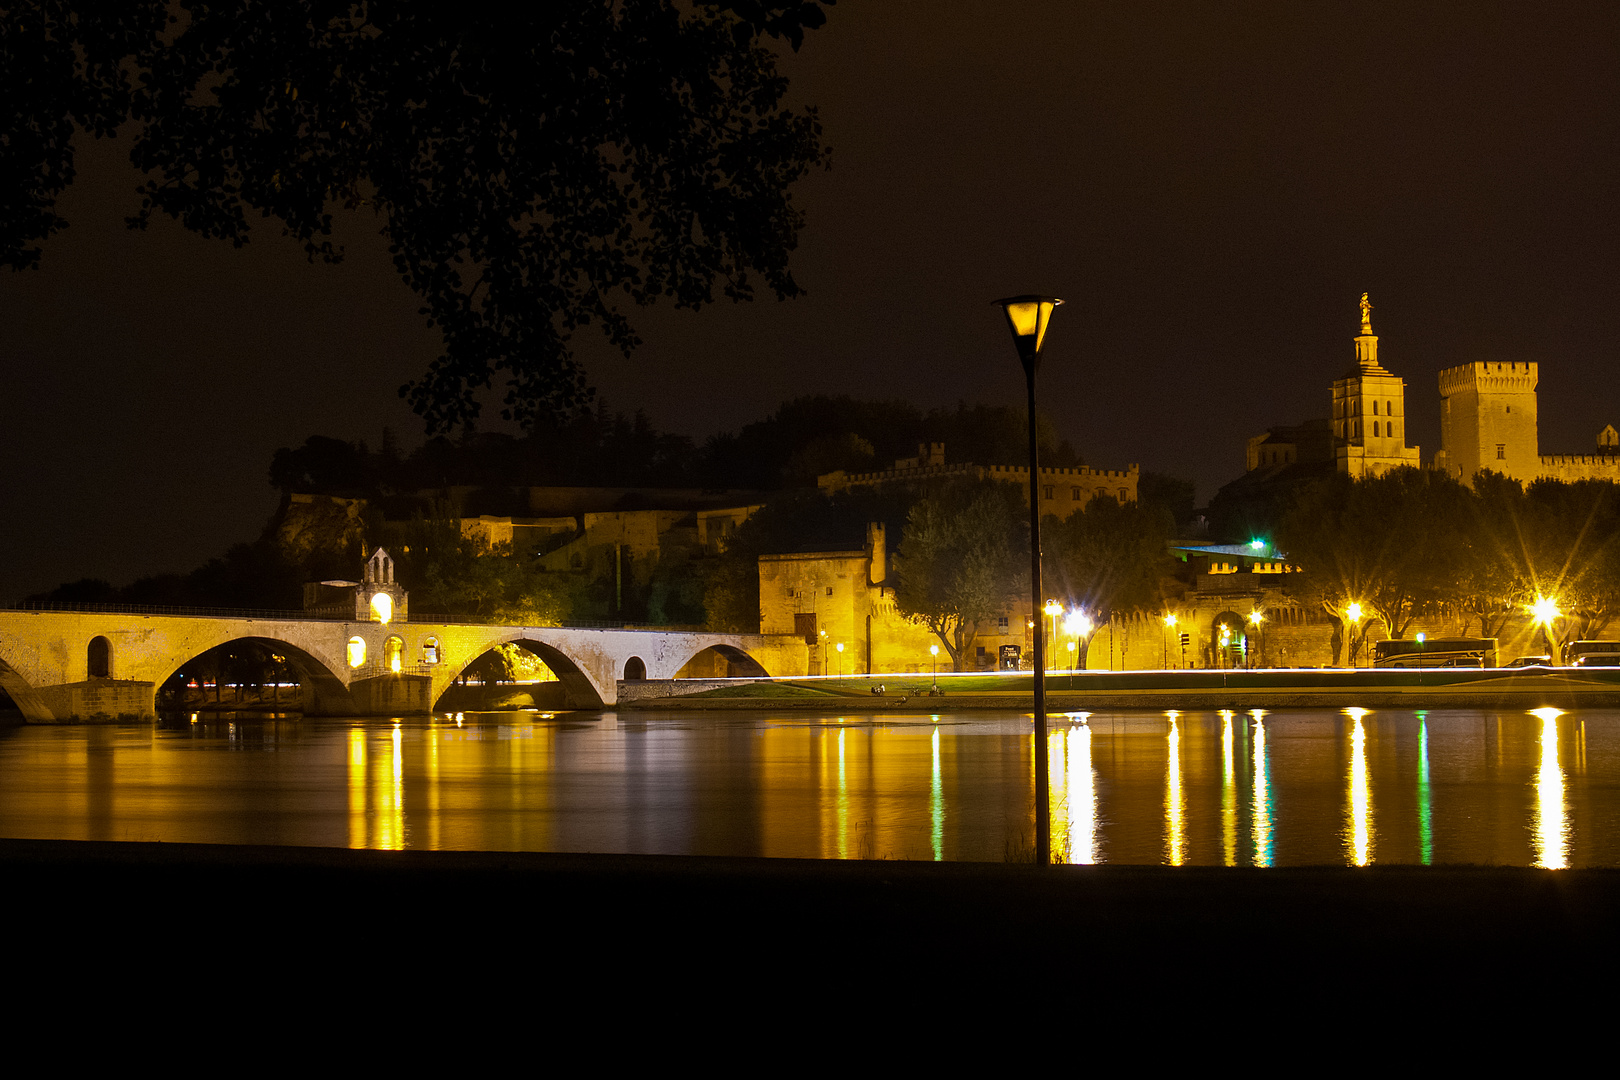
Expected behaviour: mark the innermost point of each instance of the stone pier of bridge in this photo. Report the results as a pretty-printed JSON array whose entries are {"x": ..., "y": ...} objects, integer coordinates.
[{"x": 68, "y": 667}]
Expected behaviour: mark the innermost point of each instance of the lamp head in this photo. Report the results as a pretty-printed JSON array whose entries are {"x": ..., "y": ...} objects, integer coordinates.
[{"x": 1027, "y": 317}]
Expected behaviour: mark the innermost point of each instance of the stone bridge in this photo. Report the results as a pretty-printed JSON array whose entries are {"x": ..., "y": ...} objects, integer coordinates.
[{"x": 64, "y": 666}]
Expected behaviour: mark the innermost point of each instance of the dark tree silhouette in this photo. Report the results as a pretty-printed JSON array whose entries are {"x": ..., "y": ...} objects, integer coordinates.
[{"x": 529, "y": 163}]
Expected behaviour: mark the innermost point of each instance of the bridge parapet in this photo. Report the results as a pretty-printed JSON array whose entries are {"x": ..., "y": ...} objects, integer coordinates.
[{"x": 345, "y": 667}]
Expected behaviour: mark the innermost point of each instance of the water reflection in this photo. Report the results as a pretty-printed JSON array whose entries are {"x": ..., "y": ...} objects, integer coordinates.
[
  {"x": 1175, "y": 832},
  {"x": 1359, "y": 831},
  {"x": 1425, "y": 824},
  {"x": 1549, "y": 828},
  {"x": 1228, "y": 792},
  {"x": 1285, "y": 788},
  {"x": 1260, "y": 793}
]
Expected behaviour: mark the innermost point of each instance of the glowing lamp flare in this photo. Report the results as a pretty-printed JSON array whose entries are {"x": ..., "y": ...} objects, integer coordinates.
[
  {"x": 1545, "y": 610},
  {"x": 1353, "y": 613},
  {"x": 1027, "y": 318}
]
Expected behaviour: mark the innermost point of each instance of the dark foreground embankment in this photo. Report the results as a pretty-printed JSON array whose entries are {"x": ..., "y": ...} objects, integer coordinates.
[{"x": 690, "y": 932}]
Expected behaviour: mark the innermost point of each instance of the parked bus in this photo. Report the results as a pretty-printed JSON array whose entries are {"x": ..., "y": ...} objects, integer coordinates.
[
  {"x": 1604, "y": 653},
  {"x": 1435, "y": 652}
]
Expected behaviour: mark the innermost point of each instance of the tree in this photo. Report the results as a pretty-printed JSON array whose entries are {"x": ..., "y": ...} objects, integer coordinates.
[
  {"x": 963, "y": 558},
  {"x": 1395, "y": 543},
  {"x": 528, "y": 163},
  {"x": 453, "y": 573},
  {"x": 1572, "y": 552},
  {"x": 1111, "y": 557}
]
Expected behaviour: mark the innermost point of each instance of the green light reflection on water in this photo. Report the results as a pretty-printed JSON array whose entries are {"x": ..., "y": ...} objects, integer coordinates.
[
  {"x": 1425, "y": 824},
  {"x": 936, "y": 805}
]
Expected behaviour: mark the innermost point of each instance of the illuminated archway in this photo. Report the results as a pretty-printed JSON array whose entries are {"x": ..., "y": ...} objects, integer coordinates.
[
  {"x": 262, "y": 664},
  {"x": 572, "y": 689},
  {"x": 722, "y": 662},
  {"x": 635, "y": 669}
]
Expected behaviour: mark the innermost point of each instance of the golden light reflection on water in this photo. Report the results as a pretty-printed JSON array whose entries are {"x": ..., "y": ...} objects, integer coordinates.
[
  {"x": 1359, "y": 828},
  {"x": 1175, "y": 827},
  {"x": 358, "y": 830},
  {"x": 1228, "y": 791},
  {"x": 1082, "y": 790},
  {"x": 1549, "y": 827},
  {"x": 1260, "y": 793},
  {"x": 1449, "y": 785}
]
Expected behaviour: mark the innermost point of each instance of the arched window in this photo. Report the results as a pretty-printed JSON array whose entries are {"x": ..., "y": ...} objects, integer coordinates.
[
  {"x": 100, "y": 658},
  {"x": 357, "y": 652},
  {"x": 1375, "y": 408},
  {"x": 634, "y": 669},
  {"x": 393, "y": 652},
  {"x": 1375, "y": 424},
  {"x": 430, "y": 651}
]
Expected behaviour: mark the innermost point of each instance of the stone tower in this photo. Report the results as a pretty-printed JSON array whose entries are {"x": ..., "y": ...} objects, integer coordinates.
[
  {"x": 1488, "y": 421},
  {"x": 1369, "y": 412}
]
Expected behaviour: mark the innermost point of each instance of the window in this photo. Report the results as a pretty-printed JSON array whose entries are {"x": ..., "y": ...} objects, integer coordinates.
[
  {"x": 1001, "y": 624},
  {"x": 790, "y": 592},
  {"x": 1124, "y": 495},
  {"x": 829, "y": 590},
  {"x": 1074, "y": 493},
  {"x": 1046, "y": 492},
  {"x": 430, "y": 651},
  {"x": 1501, "y": 451},
  {"x": 1375, "y": 408},
  {"x": 1375, "y": 424},
  {"x": 1510, "y": 408}
]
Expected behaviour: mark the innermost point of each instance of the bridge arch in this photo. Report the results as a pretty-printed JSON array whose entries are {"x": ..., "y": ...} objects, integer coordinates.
[
  {"x": 22, "y": 694},
  {"x": 721, "y": 661},
  {"x": 635, "y": 669},
  {"x": 579, "y": 689},
  {"x": 324, "y": 691}
]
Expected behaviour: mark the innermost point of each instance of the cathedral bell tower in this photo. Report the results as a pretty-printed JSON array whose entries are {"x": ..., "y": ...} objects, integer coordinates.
[{"x": 1369, "y": 412}]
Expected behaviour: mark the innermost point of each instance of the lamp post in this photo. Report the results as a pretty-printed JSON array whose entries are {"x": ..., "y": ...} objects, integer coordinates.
[
  {"x": 1257, "y": 620},
  {"x": 1053, "y": 609},
  {"x": 1353, "y": 613},
  {"x": 840, "y": 662},
  {"x": 1027, "y": 319},
  {"x": 933, "y": 671},
  {"x": 1169, "y": 625},
  {"x": 1079, "y": 624}
]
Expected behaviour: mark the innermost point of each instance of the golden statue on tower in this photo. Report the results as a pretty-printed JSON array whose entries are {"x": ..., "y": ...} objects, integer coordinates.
[{"x": 1366, "y": 314}]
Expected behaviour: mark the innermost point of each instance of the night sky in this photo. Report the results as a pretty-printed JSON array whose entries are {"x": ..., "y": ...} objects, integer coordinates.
[{"x": 1210, "y": 187}]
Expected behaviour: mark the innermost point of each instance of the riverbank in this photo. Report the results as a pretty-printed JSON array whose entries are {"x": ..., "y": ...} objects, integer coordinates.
[
  {"x": 1500, "y": 688},
  {"x": 696, "y": 931}
]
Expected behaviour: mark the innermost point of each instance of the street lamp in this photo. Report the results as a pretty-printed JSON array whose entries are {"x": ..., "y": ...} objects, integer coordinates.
[
  {"x": 840, "y": 661},
  {"x": 1027, "y": 319},
  {"x": 1257, "y": 619},
  {"x": 1053, "y": 609},
  {"x": 1164, "y": 638},
  {"x": 933, "y": 651},
  {"x": 1353, "y": 613},
  {"x": 1545, "y": 612}
]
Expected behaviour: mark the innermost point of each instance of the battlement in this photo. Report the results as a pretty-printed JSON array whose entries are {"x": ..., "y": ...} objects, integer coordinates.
[
  {"x": 1490, "y": 377},
  {"x": 1602, "y": 461},
  {"x": 1084, "y": 472}
]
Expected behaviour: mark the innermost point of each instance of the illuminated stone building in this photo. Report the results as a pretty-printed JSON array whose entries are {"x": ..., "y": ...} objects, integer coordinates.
[
  {"x": 846, "y": 597},
  {"x": 1063, "y": 491},
  {"x": 1488, "y": 423},
  {"x": 1369, "y": 412}
]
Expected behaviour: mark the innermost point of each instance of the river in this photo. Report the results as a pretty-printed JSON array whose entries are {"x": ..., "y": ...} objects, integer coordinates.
[{"x": 1302, "y": 787}]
